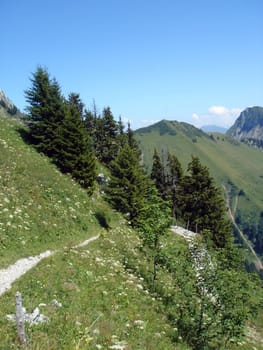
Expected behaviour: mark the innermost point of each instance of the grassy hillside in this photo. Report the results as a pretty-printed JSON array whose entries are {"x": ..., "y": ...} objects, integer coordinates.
[
  {"x": 106, "y": 302},
  {"x": 40, "y": 208},
  {"x": 231, "y": 163}
]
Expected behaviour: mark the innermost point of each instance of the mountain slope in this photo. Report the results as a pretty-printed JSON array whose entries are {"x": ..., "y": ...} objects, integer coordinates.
[
  {"x": 249, "y": 125},
  {"x": 40, "y": 208},
  {"x": 103, "y": 303},
  {"x": 95, "y": 297},
  {"x": 8, "y": 108},
  {"x": 231, "y": 163}
]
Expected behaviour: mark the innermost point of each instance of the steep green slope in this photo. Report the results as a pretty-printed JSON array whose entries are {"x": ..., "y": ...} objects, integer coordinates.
[
  {"x": 231, "y": 163},
  {"x": 103, "y": 304},
  {"x": 39, "y": 207},
  {"x": 105, "y": 301}
]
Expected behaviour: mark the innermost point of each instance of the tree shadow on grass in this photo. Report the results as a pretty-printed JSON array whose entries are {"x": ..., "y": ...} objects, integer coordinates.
[{"x": 103, "y": 220}]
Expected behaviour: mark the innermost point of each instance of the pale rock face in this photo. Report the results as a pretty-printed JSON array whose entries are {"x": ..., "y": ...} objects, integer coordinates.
[
  {"x": 249, "y": 125},
  {"x": 5, "y": 102},
  {"x": 7, "y": 106}
]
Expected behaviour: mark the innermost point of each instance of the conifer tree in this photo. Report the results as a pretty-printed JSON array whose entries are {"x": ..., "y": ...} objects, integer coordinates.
[
  {"x": 45, "y": 112},
  {"x": 173, "y": 181},
  {"x": 158, "y": 175},
  {"x": 122, "y": 136},
  {"x": 132, "y": 142},
  {"x": 76, "y": 155},
  {"x": 74, "y": 100},
  {"x": 128, "y": 184},
  {"x": 107, "y": 144},
  {"x": 202, "y": 204},
  {"x": 92, "y": 124}
]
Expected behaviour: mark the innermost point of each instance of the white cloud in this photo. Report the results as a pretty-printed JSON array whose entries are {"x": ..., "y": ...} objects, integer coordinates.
[
  {"x": 195, "y": 116},
  {"x": 217, "y": 115},
  {"x": 218, "y": 110}
]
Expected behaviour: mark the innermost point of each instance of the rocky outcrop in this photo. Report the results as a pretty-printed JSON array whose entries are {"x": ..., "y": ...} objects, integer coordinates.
[
  {"x": 249, "y": 126},
  {"x": 8, "y": 107}
]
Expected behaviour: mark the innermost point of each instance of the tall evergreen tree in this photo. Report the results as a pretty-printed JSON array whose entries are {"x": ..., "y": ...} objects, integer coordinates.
[
  {"x": 158, "y": 175},
  {"x": 76, "y": 155},
  {"x": 202, "y": 205},
  {"x": 107, "y": 146},
  {"x": 74, "y": 100},
  {"x": 122, "y": 136},
  {"x": 132, "y": 142},
  {"x": 45, "y": 112},
  {"x": 128, "y": 184},
  {"x": 173, "y": 180}
]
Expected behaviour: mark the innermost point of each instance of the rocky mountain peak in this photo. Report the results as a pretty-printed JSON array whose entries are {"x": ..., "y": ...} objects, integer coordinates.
[{"x": 249, "y": 126}]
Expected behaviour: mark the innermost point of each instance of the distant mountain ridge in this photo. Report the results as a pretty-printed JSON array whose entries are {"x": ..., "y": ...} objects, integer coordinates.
[
  {"x": 214, "y": 128},
  {"x": 248, "y": 127}
]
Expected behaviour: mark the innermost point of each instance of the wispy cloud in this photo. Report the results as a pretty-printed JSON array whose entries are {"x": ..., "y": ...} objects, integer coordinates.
[{"x": 217, "y": 115}]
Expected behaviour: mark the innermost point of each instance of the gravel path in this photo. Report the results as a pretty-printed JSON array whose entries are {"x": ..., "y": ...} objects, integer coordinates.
[
  {"x": 21, "y": 266},
  {"x": 188, "y": 235}
]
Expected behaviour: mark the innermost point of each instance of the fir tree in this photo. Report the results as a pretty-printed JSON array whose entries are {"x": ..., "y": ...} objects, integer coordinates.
[
  {"x": 76, "y": 154},
  {"x": 158, "y": 175},
  {"x": 202, "y": 205},
  {"x": 107, "y": 144},
  {"x": 132, "y": 142},
  {"x": 173, "y": 180},
  {"x": 74, "y": 100},
  {"x": 45, "y": 112},
  {"x": 128, "y": 184},
  {"x": 122, "y": 136}
]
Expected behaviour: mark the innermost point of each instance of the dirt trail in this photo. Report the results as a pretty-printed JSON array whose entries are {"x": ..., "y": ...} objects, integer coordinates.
[
  {"x": 231, "y": 215},
  {"x": 21, "y": 266}
]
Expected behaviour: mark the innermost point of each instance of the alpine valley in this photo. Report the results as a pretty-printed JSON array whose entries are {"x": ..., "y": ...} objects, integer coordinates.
[{"x": 234, "y": 159}]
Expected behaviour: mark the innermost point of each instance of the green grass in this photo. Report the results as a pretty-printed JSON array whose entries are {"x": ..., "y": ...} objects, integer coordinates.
[
  {"x": 103, "y": 288},
  {"x": 103, "y": 303},
  {"x": 39, "y": 207}
]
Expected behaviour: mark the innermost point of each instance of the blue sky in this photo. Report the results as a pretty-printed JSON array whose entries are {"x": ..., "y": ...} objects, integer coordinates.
[{"x": 199, "y": 61}]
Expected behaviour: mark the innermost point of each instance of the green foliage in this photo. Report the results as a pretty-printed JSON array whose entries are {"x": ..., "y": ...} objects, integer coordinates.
[
  {"x": 132, "y": 142},
  {"x": 202, "y": 205},
  {"x": 56, "y": 128},
  {"x": 128, "y": 184},
  {"x": 167, "y": 175},
  {"x": 107, "y": 144},
  {"x": 174, "y": 178},
  {"x": 210, "y": 304},
  {"x": 106, "y": 301},
  {"x": 76, "y": 155},
  {"x": 103, "y": 304},
  {"x": 158, "y": 175},
  {"x": 45, "y": 112},
  {"x": 40, "y": 208},
  {"x": 242, "y": 164},
  {"x": 153, "y": 222}
]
